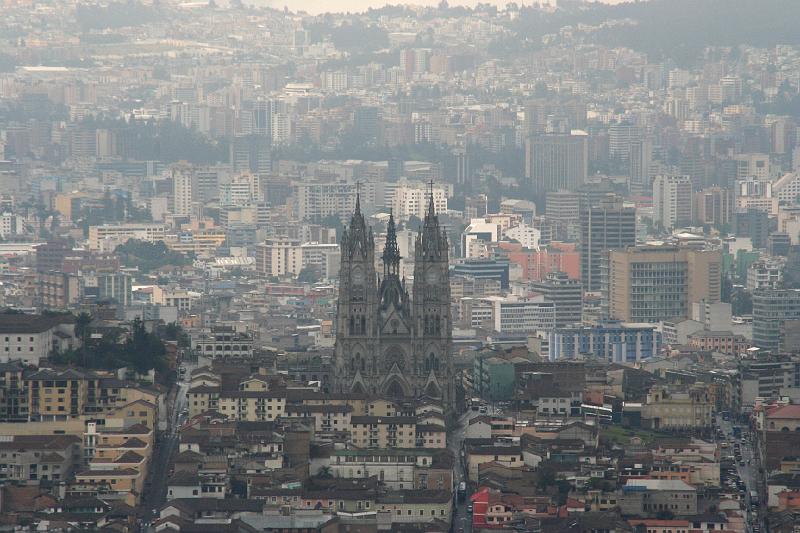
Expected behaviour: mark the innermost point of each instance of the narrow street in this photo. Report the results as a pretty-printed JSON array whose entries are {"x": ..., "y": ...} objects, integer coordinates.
[
  {"x": 166, "y": 448},
  {"x": 748, "y": 472},
  {"x": 455, "y": 440}
]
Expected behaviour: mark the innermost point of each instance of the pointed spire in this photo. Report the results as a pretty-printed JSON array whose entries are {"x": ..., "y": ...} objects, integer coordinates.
[
  {"x": 391, "y": 252},
  {"x": 359, "y": 236},
  {"x": 431, "y": 208}
]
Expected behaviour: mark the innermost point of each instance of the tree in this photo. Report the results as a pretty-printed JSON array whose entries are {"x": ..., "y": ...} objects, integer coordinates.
[
  {"x": 83, "y": 332},
  {"x": 308, "y": 274},
  {"x": 325, "y": 472},
  {"x": 149, "y": 256}
]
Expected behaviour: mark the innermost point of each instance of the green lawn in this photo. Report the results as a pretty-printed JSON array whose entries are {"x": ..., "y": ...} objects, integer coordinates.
[{"x": 622, "y": 436}]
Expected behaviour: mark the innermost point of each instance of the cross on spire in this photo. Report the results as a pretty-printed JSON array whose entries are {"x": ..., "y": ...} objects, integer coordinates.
[{"x": 430, "y": 200}]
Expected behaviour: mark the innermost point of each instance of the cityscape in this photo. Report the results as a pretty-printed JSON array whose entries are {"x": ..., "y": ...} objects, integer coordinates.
[{"x": 437, "y": 267}]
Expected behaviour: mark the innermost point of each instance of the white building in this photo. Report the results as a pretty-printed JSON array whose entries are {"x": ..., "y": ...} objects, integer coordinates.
[
  {"x": 787, "y": 189},
  {"x": 31, "y": 338},
  {"x": 182, "y": 190},
  {"x": 11, "y": 225},
  {"x": 287, "y": 257},
  {"x": 672, "y": 201},
  {"x": 517, "y": 315},
  {"x": 413, "y": 201},
  {"x": 479, "y": 230},
  {"x": 766, "y": 273},
  {"x": 527, "y": 236},
  {"x": 752, "y": 166},
  {"x": 108, "y": 236},
  {"x": 243, "y": 190}
]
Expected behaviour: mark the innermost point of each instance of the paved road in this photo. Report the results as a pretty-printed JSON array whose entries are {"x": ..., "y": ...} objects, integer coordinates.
[
  {"x": 747, "y": 472},
  {"x": 455, "y": 439},
  {"x": 164, "y": 453}
]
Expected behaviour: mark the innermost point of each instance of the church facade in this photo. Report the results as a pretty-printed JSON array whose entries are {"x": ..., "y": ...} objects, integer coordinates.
[{"x": 388, "y": 343}]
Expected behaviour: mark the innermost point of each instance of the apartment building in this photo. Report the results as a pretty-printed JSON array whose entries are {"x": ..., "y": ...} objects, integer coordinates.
[
  {"x": 383, "y": 432},
  {"x": 287, "y": 257},
  {"x": 31, "y": 459},
  {"x": 31, "y": 338},
  {"x": 222, "y": 342},
  {"x": 655, "y": 283},
  {"x": 108, "y": 236},
  {"x": 327, "y": 417}
]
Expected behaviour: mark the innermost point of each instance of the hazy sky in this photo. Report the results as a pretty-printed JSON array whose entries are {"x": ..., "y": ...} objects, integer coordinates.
[{"x": 322, "y": 6}]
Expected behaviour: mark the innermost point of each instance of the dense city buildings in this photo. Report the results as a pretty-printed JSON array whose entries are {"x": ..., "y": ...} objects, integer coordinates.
[
  {"x": 607, "y": 225},
  {"x": 655, "y": 283},
  {"x": 434, "y": 267}
]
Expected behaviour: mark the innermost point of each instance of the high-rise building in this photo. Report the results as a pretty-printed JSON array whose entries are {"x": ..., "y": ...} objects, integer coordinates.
[
  {"x": 565, "y": 293},
  {"x": 640, "y": 161},
  {"x": 562, "y": 210},
  {"x": 752, "y": 166},
  {"x": 182, "y": 190},
  {"x": 251, "y": 153},
  {"x": 620, "y": 135},
  {"x": 713, "y": 206},
  {"x": 411, "y": 201},
  {"x": 654, "y": 283},
  {"x": 609, "y": 224},
  {"x": 772, "y": 308},
  {"x": 753, "y": 223},
  {"x": 367, "y": 124},
  {"x": 554, "y": 162},
  {"x": 672, "y": 201},
  {"x": 463, "y": 175},
  {"x": 389, "y": 344}
]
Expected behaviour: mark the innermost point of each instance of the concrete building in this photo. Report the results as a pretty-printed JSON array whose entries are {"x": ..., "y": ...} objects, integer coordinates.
[
  {"x": 713, "y": 206},
  {"x": 771, "y": 309},
  {"x": 517, "y": 315},
  {"x": 108, "y": 236},
  {"x": 607, "y": 225},
  {"x": 565, "y": 293},
  {"x": 479, "y": 231},
  {"x": 288, "y": 257},
  {"x": 612, "y": 341},
  {"x": 654, "y": 283},
  {"x": 222, "y": 342},
  {"x": 672, "y": 201},
  {"x": 31, "y": 338},
  {"x": 411, "y": 201},
  {"x": 651, "y": 497},
  {"x": 182, "y": 185},
  {"x": 670, "y": 408},
  {"x": 766, "y": 273},
  {"x": 554, "y": 162}
]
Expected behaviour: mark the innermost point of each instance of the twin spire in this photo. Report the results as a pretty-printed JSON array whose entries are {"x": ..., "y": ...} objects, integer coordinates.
[{"x": 391, "y": 251}]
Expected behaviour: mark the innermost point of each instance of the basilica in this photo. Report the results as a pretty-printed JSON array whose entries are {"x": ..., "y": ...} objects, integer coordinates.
[{"x": 388, "y": 343}]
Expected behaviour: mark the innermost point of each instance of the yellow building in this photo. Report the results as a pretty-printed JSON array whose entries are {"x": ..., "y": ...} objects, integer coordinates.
[
  {"x": 383, "y": 432},
  {"x": 123, "y": 484},
  {"x": 678, "y": 409}
]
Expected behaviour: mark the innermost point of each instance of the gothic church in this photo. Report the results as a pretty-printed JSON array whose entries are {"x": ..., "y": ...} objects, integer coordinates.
[{"x": 389, "y": 344}]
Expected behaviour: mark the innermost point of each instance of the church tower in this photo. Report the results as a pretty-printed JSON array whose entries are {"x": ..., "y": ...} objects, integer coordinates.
[
  {"x": 356, "y": 307},
  {"x": 389, "y": 344},
  {"x": 432, "y": 315}
]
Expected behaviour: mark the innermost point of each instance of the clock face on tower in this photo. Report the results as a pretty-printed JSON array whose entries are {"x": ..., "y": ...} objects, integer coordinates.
[
  {"x": 432, "y": 277},
  {"x": 358, "y": 276}
]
